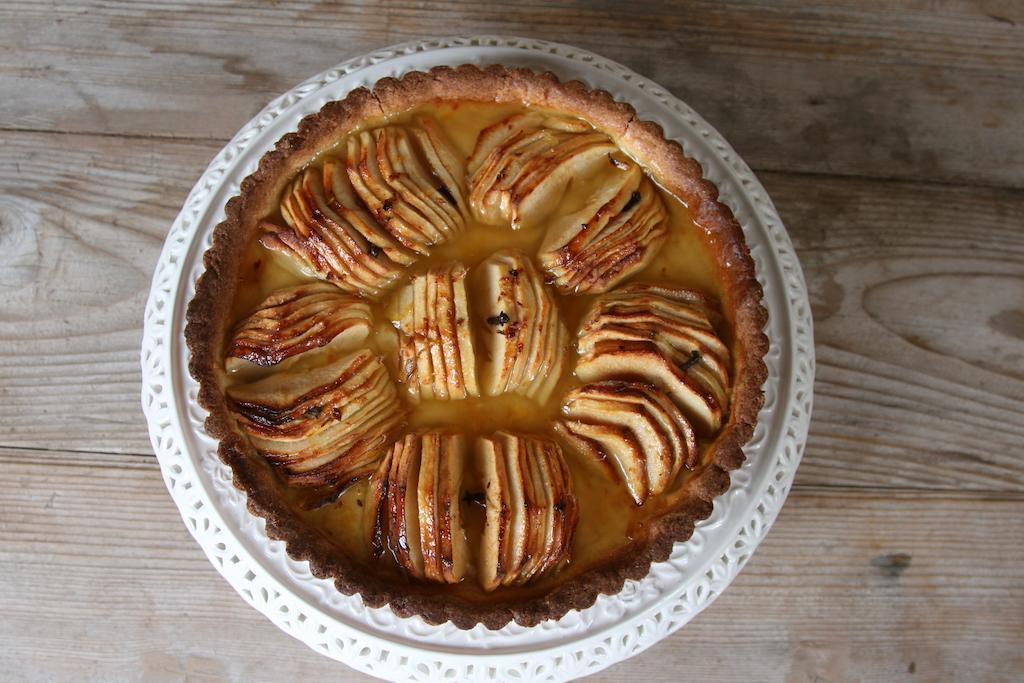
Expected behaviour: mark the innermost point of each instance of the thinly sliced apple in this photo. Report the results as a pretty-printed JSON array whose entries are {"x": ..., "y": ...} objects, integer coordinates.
[
  {"x": 624, "y": 245},
  {"x": 501, "y": 337},
  {"x": 447, "y": 166},
  {"x": 540, "y": 190},
  {"x": 435, "y": 348},
  {"x": 415, "y": 509},
  {"x": 564, "y": 510},
  {"x": 405, "y": 522},
  {"x": 518, "y": 538},
  {"x": 324, "y": 427},
  {"x": 656, "y": 425},
  {"x": 342, "y": 199},
  {"x": 403, "y": 314},
  {"x": 433, "y": 337},
  {"x": 490, "y": 138},
  {"x": 531, "y": 509},
  {"x": 665, "y": 335},
  {"x": 646, "y": 326},
  {"x": 421, "y": 339},
  {"x": 521, "y": 166},
  {"x": 538, "y": 509},
  {"x": 636, "y": 419},
  {"x": 427, "y": 505},
  {"x": 490, "y": 462},
  {"x": 614, "y": 444},
  {"x": 525, "y": 338},
  {"x": 625, "y": 360},
  {"x": 323, "y": 243},
  {"x": 386, "y": 206},
  {"x": 296, "y": 320},
  {"x": 454, "y": 549},
  {"x": 467, "y": 355}
]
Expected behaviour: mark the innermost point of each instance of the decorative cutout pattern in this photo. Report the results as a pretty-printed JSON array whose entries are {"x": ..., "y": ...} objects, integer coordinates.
[{"x": 375, "y": 641}]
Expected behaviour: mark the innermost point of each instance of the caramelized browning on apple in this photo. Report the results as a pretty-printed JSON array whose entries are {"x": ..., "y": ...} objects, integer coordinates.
[
  {"x": 663, "y": 336},
  {"x": 632, "y": 430},
  {"x": 613, "y": 236},
  {"x": 521, "y": 166},
  {"x": 410, "y": 181},
  {"x": 526, "y": 341},
  {"x": 294, "y": 320},
  {"x": 436, "y": 357},
  {"x": 414, "y": 510},
  {"x": 358, "y": 221},
  {"x": 531, "y": 509},
  {"x": 326, "y": 427}
]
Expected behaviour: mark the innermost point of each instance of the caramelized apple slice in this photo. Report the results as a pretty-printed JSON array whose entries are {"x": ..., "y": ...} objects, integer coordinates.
[
  {"x": 427, "y": 505},
  {"x": 633, "y": 425},
  {"x": 662, "y": 335},
  {"x": 516, "y": 547},
  {"x": 539, "y": 510},
  {"x": 294, "y": 320},
  {"x": 525, "y": 338},
  {"x": 563, "y": 501},
  {"x": 403, "y": 510},
  {"x": 436, "y": 356},
  {"x": 325, "y": 243},
  {"x": 415, "y": 507},
  {"x": 341, "y": 197},
  {"x": 497, "y": 523},
  {"x": 644, "y": 360},
  {"x": 673, "y": 317},
  {"x": 325, "y": 427},
  {"x": 454, "y": 550},
  {"x": 612, "y": 447},
  {"x": 445, "y": 165},
  {"x": 531, "y": 510},
  {"x": 522, "y": 165},
  {"x": 408, "y": 178},
  {"x": 615, "y": 235}
]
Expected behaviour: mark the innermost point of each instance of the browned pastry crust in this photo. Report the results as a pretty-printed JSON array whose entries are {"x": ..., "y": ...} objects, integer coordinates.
[{"x": 209, "y": 313}]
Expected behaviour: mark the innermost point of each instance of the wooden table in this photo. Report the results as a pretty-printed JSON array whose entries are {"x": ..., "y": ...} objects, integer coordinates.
[{"x": 892, "y": 141}]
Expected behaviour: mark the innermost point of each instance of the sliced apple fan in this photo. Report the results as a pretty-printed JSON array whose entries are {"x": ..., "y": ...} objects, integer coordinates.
[
  {"x": 322, "y": 427},
  {"x": 524, "y": 342},
  {"x": 436, "y": 357},
  {"x": 657, "y": 371},
  {"x": 294, "y": 320},
  {"x": 530, "y": 518},
  {"x": 358, "y": 219}
]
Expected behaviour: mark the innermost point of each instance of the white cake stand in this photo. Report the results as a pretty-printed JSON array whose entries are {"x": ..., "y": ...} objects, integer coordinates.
[{"x": 375, "y": 641}]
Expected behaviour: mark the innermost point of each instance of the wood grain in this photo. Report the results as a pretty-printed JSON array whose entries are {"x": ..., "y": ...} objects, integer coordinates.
[
  {"x": 859, "y": 584},
  {"x": 918, "y": 300},
  {"x": 82, "y": 222},
  {"x": 923, "y": 91}
]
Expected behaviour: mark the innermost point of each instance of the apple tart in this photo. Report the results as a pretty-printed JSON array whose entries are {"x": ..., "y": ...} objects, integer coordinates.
[{"x": 479, "y": 344}]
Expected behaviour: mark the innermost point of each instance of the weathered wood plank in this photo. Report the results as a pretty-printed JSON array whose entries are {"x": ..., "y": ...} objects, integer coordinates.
[
  {"x": 918, "y": 91},
  {"x": 851, "y": 584},
  {"x": 82, "y": 221},
  {"x": 919, "y": 396},
  {"x": 917, "y": 295}
]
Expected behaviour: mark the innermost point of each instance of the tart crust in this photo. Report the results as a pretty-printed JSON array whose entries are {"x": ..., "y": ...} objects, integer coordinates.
[{"x": 208, "y": 327}]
